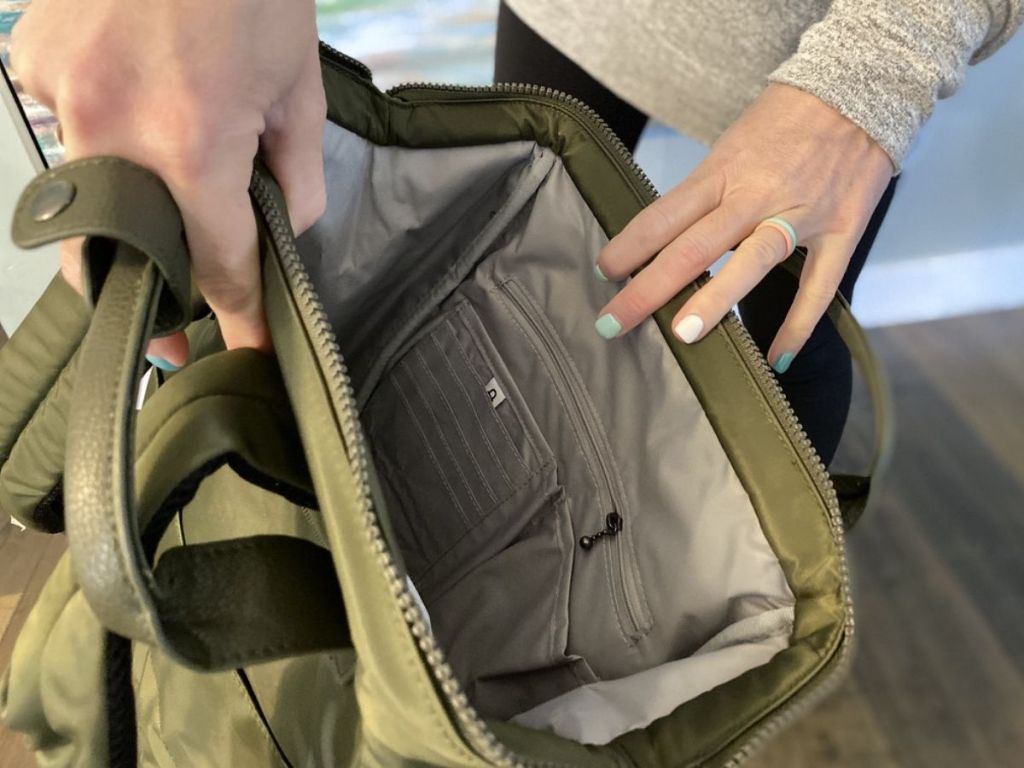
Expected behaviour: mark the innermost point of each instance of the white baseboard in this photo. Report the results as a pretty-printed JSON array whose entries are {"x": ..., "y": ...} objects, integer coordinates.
[{"x": 933, "y": 287}]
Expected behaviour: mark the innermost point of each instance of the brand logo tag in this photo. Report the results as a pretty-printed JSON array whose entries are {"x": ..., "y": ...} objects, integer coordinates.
[{"x": 494, "y": 392}]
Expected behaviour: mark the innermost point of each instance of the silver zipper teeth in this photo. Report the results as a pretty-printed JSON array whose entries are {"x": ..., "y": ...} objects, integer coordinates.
[
  {"x": 479, "y": 736},
  {"x": 347, "y": 60},
  {"x": 812, "y": 693},
  {"x": 561, "y": 98}
]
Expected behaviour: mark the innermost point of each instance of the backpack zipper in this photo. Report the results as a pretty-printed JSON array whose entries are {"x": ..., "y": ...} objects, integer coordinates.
[
  {"x": 626, "y": 591},
  {"x": 587, "y": 117},
  {"x": 612, "y": 527},
  {"x": 478, "y": 736},
  {"x": 337, "y": 57}
]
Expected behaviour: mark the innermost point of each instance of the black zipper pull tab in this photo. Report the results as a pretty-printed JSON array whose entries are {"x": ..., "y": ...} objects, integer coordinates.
[{"x": 613, "y": 524}]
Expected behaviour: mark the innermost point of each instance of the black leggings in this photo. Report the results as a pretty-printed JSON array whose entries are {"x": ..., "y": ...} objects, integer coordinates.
[{"x": 819, "y": 381}]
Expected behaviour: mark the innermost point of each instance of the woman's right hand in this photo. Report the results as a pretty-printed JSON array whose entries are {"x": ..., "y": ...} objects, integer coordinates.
[{"x": 191, "y": 90}]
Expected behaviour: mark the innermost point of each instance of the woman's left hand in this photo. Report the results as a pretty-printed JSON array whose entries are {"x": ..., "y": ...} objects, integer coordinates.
[{"x": 788, "y": 155}]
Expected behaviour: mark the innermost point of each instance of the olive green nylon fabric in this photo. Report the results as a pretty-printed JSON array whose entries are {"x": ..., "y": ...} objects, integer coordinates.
[
  {"x": 768, "y": 464},
  {"x": 28, "y": 374},
  {"x": 310, "y": 706},
  {"x": 308, "y": 701},
  {"x": 398, "y": 702},
  {"x": 35, "y": 392},
  {"x": 855, "y": 490},
  {"x": 53, "y": 689},
  {"x": 300, "y": 709},
  {"x": 389, "y": 708},
  {"x": 224, "y": 404}
]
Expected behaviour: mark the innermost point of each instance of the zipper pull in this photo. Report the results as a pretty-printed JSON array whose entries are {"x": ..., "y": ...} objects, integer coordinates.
[{"x": 613, "y": 524}]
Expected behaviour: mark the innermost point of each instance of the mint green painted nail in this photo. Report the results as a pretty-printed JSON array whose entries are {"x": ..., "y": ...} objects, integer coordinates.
[
  {"x": 599, "y": 274},
  {"x": 608, "y": 326},
  {"x": 783, "y": 363},
  {"x": 162, "y": 364}
]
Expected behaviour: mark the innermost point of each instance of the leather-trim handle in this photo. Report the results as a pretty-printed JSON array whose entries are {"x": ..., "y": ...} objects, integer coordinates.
[
  {"x": 109, "y": 199},
  {"x": 138, "y": 271},
  {"x": 98, "y": 477}
]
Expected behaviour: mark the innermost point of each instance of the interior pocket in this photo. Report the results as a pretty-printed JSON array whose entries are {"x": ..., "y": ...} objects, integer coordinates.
[
  {"x": 505, "y": 626},
  {"x": 607, "y": 569},
  {"x": 454, "y": 443}
]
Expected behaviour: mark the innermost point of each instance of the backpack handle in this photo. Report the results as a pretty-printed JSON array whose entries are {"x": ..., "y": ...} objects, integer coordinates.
[
  {"x": 136, "y": 273},
  {"x": 136, "y": 269}
]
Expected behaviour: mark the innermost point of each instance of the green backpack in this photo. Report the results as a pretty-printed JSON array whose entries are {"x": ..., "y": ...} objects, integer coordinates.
[{"x": 448, "y": 525}]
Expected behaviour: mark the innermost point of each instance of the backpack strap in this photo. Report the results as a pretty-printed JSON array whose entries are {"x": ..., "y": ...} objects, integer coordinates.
[
  {"x": 854, "y": 491},
  {"x": 200, "y": 606}
]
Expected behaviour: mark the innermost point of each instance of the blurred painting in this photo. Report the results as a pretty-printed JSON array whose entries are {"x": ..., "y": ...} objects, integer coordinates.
[
  {"x": 414, "y": 41},
  {"x": 401, "y": 41},
  {"x": 42, "y": 122}
]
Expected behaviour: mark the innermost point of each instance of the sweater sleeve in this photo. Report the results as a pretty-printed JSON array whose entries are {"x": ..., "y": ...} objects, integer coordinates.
[{"x": 884, "y": 63}]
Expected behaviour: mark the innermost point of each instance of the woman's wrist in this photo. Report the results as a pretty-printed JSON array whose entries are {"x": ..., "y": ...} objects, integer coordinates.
[{"x": 884, "y": 65}]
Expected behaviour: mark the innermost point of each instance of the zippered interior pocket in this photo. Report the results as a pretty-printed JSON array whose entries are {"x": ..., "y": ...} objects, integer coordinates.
[{"x": 598, "y": 505}]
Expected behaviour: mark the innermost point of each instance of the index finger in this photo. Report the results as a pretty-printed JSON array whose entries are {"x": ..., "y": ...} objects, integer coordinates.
[
  {"x": 678, "y": 264},
  {"x": 658, "y": 225}
]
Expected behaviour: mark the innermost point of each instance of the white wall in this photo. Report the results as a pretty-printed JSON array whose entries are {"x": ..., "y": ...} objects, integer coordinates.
[
  {"x": 953, "y": 241},
  {"x": 23, "y": 274}
]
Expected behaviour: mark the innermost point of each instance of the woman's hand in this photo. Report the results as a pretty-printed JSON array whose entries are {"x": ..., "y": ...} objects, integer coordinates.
[
  {"x": 191, "y": 90},
  {"x": 789, "y": 155}
]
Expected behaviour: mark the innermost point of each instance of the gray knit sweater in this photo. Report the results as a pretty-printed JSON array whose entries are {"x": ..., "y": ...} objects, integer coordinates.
[{"x": 696, "y": 64}]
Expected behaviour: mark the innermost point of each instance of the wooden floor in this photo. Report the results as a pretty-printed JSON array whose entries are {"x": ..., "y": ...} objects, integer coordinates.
[
  {"x": 26, "y": 559},
  {"x": 939, "y": 568},
  {"x": 938, "y": 678}
]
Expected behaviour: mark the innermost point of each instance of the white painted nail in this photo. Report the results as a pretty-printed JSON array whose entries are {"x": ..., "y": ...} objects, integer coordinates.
[{"x": 689, "y": 328}]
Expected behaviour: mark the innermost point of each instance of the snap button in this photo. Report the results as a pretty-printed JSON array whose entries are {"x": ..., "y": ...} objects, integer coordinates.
[{"x": 53, "y": 198}]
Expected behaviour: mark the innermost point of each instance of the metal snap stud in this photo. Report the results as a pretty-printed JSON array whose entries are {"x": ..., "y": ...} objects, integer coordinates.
[{"x": 53, "y": 198}]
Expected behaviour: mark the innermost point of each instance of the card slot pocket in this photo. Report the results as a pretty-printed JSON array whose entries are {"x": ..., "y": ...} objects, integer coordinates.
[{"x": 453, "y": 443}]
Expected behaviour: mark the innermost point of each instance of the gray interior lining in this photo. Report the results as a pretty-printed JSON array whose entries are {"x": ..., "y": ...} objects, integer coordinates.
[{"x": 503, "y": 429}]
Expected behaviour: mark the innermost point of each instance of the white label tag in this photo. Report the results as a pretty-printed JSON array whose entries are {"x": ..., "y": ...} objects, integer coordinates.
[{"x": 494, "y": 392}]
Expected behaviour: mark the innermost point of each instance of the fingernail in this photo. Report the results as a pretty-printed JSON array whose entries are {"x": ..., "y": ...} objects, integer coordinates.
[
  {"x": 689, "y": 328},
  {"x": 162, "y": 364},
  {"x": 608, "y": 326},
  {"x": 783, "y": 361},
  {"x": 599, "y": 274}
]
